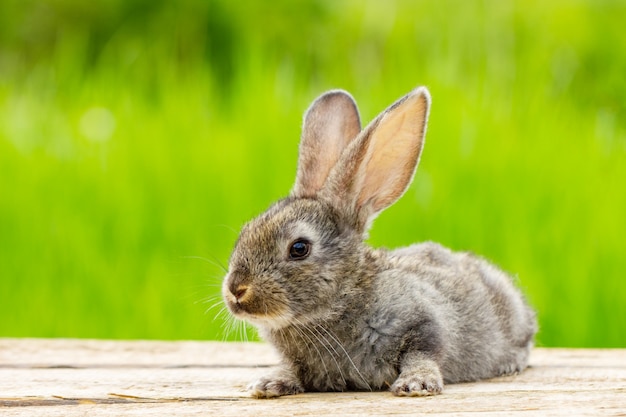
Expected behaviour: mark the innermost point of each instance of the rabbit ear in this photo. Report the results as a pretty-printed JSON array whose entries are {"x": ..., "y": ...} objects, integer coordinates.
[
  {"x": 377, "y": 168},
  {"x": 330, "y": 124}
]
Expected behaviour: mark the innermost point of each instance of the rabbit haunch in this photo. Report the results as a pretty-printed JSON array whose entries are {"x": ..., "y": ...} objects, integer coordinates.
[{"x": 347, "y": 316}]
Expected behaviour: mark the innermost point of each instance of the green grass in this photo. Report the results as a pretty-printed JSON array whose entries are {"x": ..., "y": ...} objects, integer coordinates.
[{"x": 137, "y": 137}]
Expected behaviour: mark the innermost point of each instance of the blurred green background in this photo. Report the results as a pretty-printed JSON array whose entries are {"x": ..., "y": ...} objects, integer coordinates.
[{"x": 137, "y": 136}]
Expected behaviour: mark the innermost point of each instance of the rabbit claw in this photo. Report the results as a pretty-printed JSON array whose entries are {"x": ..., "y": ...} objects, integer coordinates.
[
  {"x": 417, "y": 385},
  {"x": 274, "y": 387}
]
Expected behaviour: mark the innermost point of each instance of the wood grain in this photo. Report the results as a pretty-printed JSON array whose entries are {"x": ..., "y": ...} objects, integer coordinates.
[{"x": 56, "y": 377}]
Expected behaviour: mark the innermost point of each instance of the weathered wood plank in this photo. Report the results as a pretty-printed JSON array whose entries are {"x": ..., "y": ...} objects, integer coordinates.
[
  {"x": 85, "y": 377},
  {"x": 79, "y": 352}
]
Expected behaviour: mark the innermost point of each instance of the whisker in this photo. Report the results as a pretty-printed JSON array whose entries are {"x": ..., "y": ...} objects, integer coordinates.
[
  {"x": 242, "y": 331},
  {"x": 332, "y": 336},
  {"x": 214, "y": 305},
  {"x": 229, "y": 326},
  {"x": 214, "y": 261},
  {"x": 303, "y": 336},
  {"x": 227, "y": 227},
  {"x": 325, "y": 344},
  {"x": 225, "y": 326},
  {"x": 221, "y": 314},
  {"x": 208, "y": 299}
]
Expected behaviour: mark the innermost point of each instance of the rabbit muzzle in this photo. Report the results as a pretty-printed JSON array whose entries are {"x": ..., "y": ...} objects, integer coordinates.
[{"x": 258, "y": 304}]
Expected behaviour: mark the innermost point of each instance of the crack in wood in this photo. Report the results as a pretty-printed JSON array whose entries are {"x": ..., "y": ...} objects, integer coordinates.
[
  {"x": 113, "y": 399},
  {"x": 128, "y": 366}
]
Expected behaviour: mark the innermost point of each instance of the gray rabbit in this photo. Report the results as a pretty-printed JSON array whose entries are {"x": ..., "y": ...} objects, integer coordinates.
[{"x": 345, "y": 316}]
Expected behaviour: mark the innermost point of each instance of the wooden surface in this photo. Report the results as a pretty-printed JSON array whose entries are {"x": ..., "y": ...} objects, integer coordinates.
[{"x": 51, "y": 377}]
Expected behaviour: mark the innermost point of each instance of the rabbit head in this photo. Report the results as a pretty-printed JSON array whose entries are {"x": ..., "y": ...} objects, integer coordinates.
[{"x": 304, "y": 258}]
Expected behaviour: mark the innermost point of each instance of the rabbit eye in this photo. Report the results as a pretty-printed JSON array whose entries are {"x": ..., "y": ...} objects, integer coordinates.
[{"x": 299, "y": 249}]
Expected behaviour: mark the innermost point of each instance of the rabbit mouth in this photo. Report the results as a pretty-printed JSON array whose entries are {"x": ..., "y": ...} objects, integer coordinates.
[
  {"x": 259, "y": 311},
  {"x": 273, "y": 320}
]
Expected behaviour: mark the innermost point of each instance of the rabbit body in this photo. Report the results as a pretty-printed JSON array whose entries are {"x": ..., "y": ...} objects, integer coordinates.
[{"x": 344, "y": 316}]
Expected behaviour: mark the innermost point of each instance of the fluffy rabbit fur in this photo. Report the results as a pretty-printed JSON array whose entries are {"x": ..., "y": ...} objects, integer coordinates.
[{"x": 345, "y": 316}]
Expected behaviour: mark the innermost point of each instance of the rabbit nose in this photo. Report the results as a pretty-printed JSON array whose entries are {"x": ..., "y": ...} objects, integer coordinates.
[{"x": 240, "y": 292}]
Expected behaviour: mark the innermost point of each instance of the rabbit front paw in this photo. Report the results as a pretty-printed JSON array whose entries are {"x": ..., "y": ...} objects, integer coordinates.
[
  {"x": 272, "y": 387},
  {"x": 417, "y": 385}
]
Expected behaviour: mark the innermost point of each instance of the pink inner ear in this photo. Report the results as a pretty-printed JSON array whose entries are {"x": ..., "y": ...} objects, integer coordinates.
[
  {"x": 329, "y": 126},
  {"x": 338, "y": 133},
  {"x": 393, "y": 152}
]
